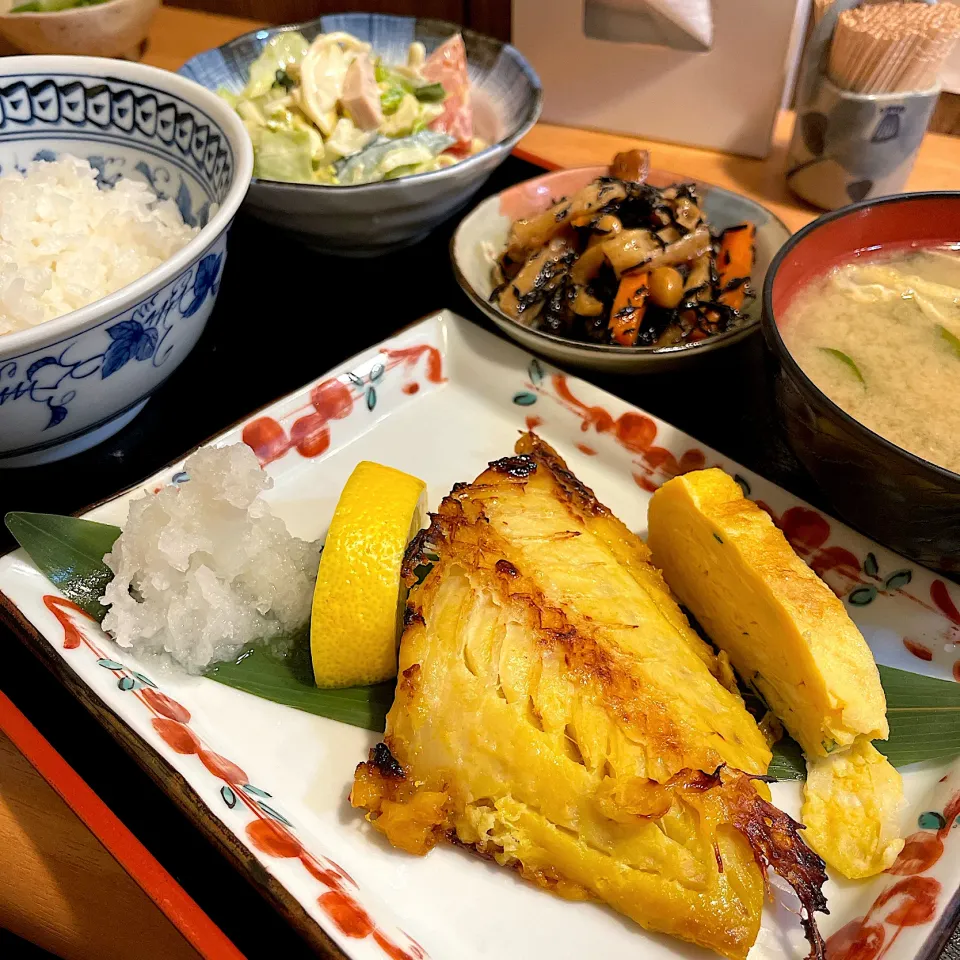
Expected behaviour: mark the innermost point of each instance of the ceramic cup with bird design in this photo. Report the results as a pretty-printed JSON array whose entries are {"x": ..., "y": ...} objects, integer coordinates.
[{"x": 848, "y": 147}]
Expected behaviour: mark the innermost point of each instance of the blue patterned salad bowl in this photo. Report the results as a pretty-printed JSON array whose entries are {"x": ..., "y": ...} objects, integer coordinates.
[
  {"x": 373, "y": 218},
  {"x": 71, "y": 382}
]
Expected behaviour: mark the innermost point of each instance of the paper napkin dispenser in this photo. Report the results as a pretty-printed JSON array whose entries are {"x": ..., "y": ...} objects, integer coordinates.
[
  {"x": 678, "y": 24},
  {"x": 710, "y": 73}
]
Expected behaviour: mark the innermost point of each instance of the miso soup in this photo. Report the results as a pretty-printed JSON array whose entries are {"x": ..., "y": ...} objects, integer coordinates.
[{"x": 881, "y": 338}]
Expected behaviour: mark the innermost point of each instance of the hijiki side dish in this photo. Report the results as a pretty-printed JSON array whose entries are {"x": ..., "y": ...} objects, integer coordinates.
[
  {"x": 332, "y": 112},
  {"x": 625, "y": 263}
]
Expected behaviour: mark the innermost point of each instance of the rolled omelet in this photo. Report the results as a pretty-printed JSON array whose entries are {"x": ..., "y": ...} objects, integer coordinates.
[
  {"x": 851, "y": 809},
  {"x": 791, "y": 639},
  {"x": 783, "y": 628}
]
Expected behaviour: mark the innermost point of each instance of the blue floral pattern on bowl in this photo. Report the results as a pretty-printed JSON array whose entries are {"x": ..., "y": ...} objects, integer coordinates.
[
  {"x": 121, "y": 111},
  {"x": 141, "y": 334},
  {"x": 89, "y": 378}
]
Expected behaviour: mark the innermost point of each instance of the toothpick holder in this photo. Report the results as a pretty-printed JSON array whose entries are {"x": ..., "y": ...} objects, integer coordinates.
[{"x": 848, "y": 146}]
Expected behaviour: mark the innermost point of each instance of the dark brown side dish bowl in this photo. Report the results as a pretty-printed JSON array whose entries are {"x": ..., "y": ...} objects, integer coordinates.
[{"x": 895, "y": 497}]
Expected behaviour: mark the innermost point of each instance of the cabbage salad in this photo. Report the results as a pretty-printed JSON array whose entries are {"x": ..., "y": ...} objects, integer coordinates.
[{"x": 332, "y": 112}]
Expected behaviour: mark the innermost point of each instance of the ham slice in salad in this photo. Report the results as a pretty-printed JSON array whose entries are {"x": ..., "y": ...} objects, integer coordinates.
[{"x": 448, "y": 65}]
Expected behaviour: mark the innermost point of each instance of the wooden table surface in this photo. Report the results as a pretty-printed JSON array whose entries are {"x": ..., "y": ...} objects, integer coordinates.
[
  {"x": 59, "y": 884},
  {"x": 937, "y": 166}
]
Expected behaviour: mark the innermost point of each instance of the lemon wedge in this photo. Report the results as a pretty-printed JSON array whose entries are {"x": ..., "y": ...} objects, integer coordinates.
[{"x": 358, "y": 600}]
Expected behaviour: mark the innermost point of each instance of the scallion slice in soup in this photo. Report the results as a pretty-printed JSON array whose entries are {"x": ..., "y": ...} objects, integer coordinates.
[
  {"x": 843, "y": 358},
  {"x": 951, "y": 339}
]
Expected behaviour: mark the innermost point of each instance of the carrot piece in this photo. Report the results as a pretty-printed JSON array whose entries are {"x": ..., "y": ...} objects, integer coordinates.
[
  {"x": 628, "y": 307},
  {"x": 735, "y": 261}
]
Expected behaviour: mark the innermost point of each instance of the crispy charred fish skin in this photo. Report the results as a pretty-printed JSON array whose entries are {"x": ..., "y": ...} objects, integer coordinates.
[{"x": 555, "y": 712}]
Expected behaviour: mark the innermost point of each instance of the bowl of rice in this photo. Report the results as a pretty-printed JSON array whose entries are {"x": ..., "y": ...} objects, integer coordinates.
[{"x": 118, "y": 182}]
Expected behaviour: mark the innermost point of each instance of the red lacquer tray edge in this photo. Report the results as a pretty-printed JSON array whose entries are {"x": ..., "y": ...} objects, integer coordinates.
[{"x": 144, "y": 869}]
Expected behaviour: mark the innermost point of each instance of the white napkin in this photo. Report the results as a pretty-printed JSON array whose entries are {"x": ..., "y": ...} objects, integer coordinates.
[{"x": 681, "y": 24}]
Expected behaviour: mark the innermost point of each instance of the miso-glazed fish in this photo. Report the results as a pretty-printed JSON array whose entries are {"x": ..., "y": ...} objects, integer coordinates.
[{"x": 556, "y": 713}]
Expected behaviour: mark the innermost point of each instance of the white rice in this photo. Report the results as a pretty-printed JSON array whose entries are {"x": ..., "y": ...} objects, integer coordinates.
[
  {"x": 204, "y": 568},
  {"x": 65, "y": 243}
]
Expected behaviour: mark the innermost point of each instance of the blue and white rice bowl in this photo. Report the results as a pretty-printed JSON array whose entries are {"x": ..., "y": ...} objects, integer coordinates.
[
  {"x": 71, "y": 382},
  {"x": 373, "y": 218}
]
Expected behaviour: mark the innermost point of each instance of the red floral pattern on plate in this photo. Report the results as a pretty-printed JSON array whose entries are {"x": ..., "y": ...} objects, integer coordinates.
[
  {"x": 910, "y": 902},
  {"x": 943, "y": 602},
  {"x": 336, "y": 399},
  {"x": 269, "y": 831},
  {"x": 635, "y": 432}
]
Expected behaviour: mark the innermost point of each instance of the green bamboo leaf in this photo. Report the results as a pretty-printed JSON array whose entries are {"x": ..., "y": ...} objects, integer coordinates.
[
  {"x": 69, "y": 552},
  {"x": 924, "y": 715},
  {"x": 787, "y": 762},
  {"x": 843, "y": 358},
  {"x": 289, "y": 680},
  {"x": 951, "y": 339}
]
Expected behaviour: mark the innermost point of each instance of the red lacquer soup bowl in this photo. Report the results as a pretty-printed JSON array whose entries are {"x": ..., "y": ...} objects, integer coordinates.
[{"x": 893, "y": 496}]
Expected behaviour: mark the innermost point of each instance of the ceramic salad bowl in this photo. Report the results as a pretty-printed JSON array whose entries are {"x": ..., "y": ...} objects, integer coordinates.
[
  {"x": 116, "y": 28},
  {"x": 483, "y": 234},
  {"x": 373, "y": 218},
  {"x": 74, "y": 381}
]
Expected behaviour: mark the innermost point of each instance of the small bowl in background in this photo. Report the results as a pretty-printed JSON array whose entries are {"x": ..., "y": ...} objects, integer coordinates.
[
  {"x": 374, "y": 218},
  {"x": 71, "y": 382},
  {"x": 893, "y": 496},
  {"x": 116, "y": 28},
  {"x": 483, "y": 234}
]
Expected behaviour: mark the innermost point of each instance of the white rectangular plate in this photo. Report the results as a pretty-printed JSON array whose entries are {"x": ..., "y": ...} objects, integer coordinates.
[{"x": 271, "y": 783}]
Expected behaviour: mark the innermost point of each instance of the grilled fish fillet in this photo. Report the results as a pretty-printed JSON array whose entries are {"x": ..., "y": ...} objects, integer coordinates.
[{"x": 555, "y": 712}]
